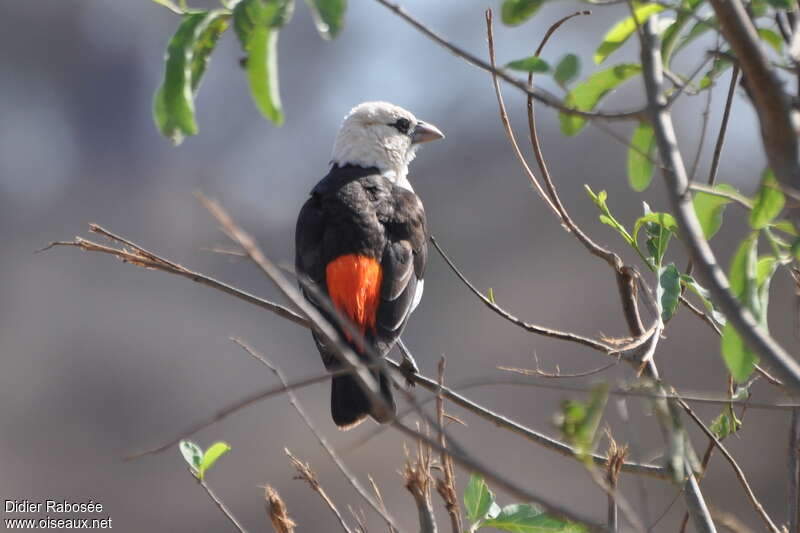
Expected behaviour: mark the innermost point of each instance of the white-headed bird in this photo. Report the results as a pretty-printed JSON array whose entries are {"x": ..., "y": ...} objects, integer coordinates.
[{"x": 361, "y": 240}]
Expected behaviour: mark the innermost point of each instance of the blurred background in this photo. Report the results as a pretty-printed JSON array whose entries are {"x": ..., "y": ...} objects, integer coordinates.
[{"x": 100, "y": 359}]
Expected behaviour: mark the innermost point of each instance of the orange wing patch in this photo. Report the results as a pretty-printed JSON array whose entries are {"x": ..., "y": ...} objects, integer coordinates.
[{"x": 354, "y": 286}]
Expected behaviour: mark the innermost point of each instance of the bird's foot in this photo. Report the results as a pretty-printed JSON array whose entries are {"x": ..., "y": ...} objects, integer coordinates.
[{"x": 408, "y": 366}]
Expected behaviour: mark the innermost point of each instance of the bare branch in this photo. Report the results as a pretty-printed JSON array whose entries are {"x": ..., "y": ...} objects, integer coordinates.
[
  {"x": 794, "y": 473},
  {"x": 379, "y": 497},
  {"x": 418, "y": 479},
  {"x": 351, "y": 478},
  {"x": 779, "y": 121},
  {"x": 541, "y": 95},
  {"x": 736, "y": 469},
  {"x": 723, "y": 128},
  {"x": 308, "y": 475},
  {"x": 446, "y": 487},
  {"x": 533, "y": 328},
  {"x": 221, "y": 506}
]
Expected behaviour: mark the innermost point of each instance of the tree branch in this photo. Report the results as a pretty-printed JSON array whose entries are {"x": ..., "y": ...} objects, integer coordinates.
[
  {"x": 543, "y": 96},
  {"x": 779, "y": 121},
  {"x": 702, "y": 256}
]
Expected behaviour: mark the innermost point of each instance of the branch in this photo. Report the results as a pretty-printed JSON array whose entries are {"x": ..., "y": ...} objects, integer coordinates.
[
  {"x": 543, "y": 96},
  {"x": 417, "y": 477},
  {"x": 703, "y": 257},
  {"x": 736, "y": 469},
  {"x": 778, "y": 119},
  {"x": 138, "y": 256},
  {"x": 794, "y": 473},
  {"x": 305, "y": 473},
  {"x": 447, "y": 487},
  {"x": 219, "y": 504},
  {"x": 723, "y": 128},
  {"x": 354, "y": 482},
  {"x": 137, "y": 259},
  {"x": 533, "y": 328}
]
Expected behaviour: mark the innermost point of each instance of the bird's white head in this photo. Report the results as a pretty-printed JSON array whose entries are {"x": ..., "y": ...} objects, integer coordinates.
[{"x": 382, "y": 135}]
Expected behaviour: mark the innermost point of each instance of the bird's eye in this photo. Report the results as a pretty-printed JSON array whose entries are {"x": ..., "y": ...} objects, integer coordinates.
[{"x": 402, "y": 125}]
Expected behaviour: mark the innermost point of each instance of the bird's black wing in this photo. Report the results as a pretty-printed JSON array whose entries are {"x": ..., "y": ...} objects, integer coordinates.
[{"x": 403, "y": 264}]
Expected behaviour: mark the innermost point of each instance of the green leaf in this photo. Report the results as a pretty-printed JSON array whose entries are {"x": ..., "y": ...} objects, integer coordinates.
[
  {"x": 669, "y": 40},
  {"x": 478, "y": 499},
  {"x": 515, "y": 12},
  {"x": 206, "y": 39},
  {"x": 796, "y": 248},
  {"x": 640, "y": 154},
  {"x": 768, "y": 203},
  {"x": 742, "y": 277},
  {"x": 771, "y": 38},
  {"x": 527, "y": 518},
  {"x": 605, "y": 214},
  {"x": 579, "y": 422},
  {"x": 698, "y": 28},
  {"x": 669, "y": 290},
  {"x": 725, "y": 424},
  {"x": 169, "y": 5},
  {"x": 659, "y": 227},
  {"x": 786, "y": 226},
  {"x": 214, "y": 452},
  {"x": 709, "y": 209},
  {"x": 490, "y": 295},
  {"x": 192, "y": 454},
  {"x": 328, "y": 16},
  {"x": 187, "y": 56},
  {"x": 257, "y": 23},
  {"x": 765, "y": 269},
  {"x": 739, "y": 359},
  {"x": 719, "y": 66},
  {"x": 585, "y": 96},
  {"x": 742, "y": 270},
  {"x": 781, "y": 4},
  {"x": 567, "y": 69},
  {"x": 622, "y": 30},
  {"x": 529, "y": 64},
  {"x": 705, "y": 297}
]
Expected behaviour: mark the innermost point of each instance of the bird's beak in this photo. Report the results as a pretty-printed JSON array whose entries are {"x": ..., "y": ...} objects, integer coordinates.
[{"x": 425, "y": 132}]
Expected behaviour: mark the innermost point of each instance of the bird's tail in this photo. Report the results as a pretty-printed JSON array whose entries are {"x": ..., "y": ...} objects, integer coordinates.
[{"x": 350, "y": 405}]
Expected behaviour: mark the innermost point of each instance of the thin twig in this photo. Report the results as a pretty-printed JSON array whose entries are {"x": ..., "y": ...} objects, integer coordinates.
[
  {"x": 794, "y": 473},
  {"x": 351, "y": 478},
  {"x": 533, "y": 328},
  {"x": 418, "y": 479},
  {"x": 507, "y": 123},
  {"x": 221, "y": 506},
  {"x": 723, "y": 128},
  {"x": 139, "y": 257},
  {"x": 611, "y": 258},
  {"x": 541, "y": 95},
  {"x": 447, "y": 487},
  {"x": 538, "y": 372},
  {"x": 379, "y": 497},
  {"x": 776, "y": 114},
  {"x": 308, "y": 475},
  {"x": 736, "y": 468}
]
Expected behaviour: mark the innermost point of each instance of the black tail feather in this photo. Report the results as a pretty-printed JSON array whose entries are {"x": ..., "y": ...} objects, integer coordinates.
[{"x": 350, "y": 405}]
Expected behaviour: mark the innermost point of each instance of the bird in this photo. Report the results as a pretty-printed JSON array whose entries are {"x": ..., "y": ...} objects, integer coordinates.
[{"x": 361, "y": 243}]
